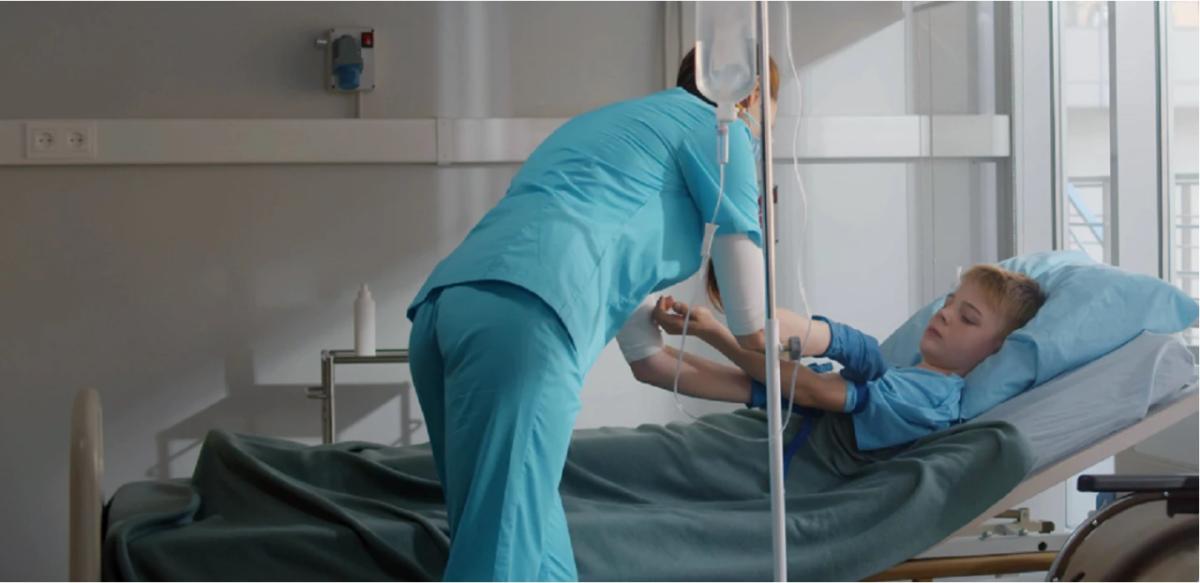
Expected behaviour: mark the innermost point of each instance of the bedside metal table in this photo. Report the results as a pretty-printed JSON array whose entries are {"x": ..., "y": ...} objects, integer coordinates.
[{"x": 327, "y": 390}]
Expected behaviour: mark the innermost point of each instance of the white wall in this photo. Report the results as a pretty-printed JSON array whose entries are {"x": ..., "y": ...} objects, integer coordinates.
[
  {"x": 195, "y": 298},
  {"x": 200, "y": 297}
]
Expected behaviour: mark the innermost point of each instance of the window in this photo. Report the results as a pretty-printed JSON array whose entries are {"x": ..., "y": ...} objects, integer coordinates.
[
  {"x": 1182, "y": 88},
  {"x": 1084, "y": 118}
]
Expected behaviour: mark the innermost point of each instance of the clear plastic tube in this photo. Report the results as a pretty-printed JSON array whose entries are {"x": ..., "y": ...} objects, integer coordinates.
[
  {"x": 706, "y": 249},
  {"x": 796, "y": 165}
]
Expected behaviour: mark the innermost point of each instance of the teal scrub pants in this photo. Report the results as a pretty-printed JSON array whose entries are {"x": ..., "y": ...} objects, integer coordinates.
[{"x": 498, "y": 381}]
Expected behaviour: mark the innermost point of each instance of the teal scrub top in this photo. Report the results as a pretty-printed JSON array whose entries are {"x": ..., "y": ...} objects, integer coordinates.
[{"x": 608, "y": 209}]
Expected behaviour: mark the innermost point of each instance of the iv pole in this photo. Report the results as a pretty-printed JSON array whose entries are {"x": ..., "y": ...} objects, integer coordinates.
[{"x": 774, "y": 397}]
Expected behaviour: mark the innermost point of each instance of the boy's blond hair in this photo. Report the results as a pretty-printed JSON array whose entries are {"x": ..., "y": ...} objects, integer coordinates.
[{"x": 1015, "y": 296}]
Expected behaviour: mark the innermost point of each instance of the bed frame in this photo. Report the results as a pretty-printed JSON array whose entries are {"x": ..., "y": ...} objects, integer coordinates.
[
  {"x": 923, "y": 568},
  {"x": 87, "y": 497}
]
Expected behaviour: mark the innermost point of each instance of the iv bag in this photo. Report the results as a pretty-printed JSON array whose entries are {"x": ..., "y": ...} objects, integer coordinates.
[{"x": 726, "y": 42}]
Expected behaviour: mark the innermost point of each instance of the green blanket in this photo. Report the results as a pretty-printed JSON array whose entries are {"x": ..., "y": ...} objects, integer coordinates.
[{"x": 675, "y": 502}]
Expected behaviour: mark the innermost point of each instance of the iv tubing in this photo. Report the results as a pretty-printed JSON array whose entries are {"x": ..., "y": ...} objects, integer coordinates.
[
  {"x": 710, "y": 229},
  {"x": 771, "y": 329},
  {"x": 706, "y": 247}
]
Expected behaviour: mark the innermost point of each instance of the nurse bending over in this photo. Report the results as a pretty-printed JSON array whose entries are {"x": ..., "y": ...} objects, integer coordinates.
[{"x": 609, "y": 209}]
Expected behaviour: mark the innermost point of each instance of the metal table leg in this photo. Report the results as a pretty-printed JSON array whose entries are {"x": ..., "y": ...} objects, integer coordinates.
[
  {"x": 327, "y": 391},
  {"x": 328, "y": 429}
]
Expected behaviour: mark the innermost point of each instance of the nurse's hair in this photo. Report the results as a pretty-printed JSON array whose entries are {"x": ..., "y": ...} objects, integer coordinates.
[
  {"x": 687, "y": 79},
  {"x": 714, "y": 292}
]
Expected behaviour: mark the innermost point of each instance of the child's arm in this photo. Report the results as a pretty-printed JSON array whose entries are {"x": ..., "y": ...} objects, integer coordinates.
[
  {"x": 815, "y": 335},
  {"x": 754, "y": 363},
  {"x": 858, "y": 353},
  {"x": 825, "y": 391},
  {"x": 669, "y": 314},
  {"x": 705, "y": 379}
]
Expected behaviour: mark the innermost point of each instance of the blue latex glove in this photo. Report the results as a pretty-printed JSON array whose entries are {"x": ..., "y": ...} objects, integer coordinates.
[{"x": 859, "y": 354}]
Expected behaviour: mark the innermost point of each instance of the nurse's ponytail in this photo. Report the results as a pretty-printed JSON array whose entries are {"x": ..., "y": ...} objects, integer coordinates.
[
  {"x": 714, "y": 292},
  {"x": 687, "y": 77}
]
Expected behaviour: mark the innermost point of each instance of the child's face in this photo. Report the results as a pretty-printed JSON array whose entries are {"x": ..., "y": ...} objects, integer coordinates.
[{"x": 963, "y": 333}]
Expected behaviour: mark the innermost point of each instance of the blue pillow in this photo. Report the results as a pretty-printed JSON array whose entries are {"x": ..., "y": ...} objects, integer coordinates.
[
  {"x": 1091, "y": 309},
  {"x": 901, "y": 348}
]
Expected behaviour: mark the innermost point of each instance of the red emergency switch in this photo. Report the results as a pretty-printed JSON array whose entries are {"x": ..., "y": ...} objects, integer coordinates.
[{"x": 368, "y": 40}]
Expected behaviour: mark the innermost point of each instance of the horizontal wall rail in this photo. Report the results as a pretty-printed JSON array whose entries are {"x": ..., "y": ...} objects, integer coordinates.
[{"x": 477, "y": 141}]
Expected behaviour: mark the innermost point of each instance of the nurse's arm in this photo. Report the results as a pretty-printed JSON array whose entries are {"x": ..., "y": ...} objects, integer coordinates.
[
  {"x": 814, "y": 334},
  {"x": 738, "y": 268},
  {"x": 755, "y": 342},
  {"x": 698, "y": 376},
  {"x": 791, "y": 325},
  {"x": 755, "y": 364}
]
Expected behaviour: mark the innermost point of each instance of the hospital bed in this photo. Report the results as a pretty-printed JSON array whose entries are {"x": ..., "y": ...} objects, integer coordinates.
[
  {"x": 1066, "y": 436},
  {"x": 1074, "y": 422}
]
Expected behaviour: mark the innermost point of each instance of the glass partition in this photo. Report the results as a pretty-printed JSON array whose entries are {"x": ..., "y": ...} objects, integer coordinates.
[
  {"x": 885, "y": 233},
  {"x": 1181, "y": 27},
  {"x": 1085, "y": 135}
]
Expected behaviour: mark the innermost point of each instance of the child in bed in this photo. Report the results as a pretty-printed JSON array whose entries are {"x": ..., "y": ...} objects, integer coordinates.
[{"x": 891, "y": 405}]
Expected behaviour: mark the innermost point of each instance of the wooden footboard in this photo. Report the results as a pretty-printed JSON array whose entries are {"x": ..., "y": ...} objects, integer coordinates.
[
  {"x": 955, "y": 567},
  {"x": 86, "y": 497}
]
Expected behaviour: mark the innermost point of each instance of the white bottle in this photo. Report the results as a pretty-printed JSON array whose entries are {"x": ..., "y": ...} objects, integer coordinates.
[{"x": 364, "y": 323}]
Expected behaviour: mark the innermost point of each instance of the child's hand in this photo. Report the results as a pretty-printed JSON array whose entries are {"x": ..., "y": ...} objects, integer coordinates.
[{"x": 669, "y": 315}]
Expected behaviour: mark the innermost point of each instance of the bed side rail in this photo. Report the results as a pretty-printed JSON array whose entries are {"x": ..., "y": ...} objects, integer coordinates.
[{"x": 86, "y": 497}]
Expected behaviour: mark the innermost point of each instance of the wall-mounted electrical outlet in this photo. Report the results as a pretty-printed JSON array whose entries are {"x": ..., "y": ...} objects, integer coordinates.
[
  {"x": 41, "y": 140},
  {"x": 66, "y": 139}
]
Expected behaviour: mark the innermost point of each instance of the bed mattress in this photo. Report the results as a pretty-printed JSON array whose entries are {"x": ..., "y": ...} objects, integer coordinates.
[{"x": 1078, "y": 408}]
